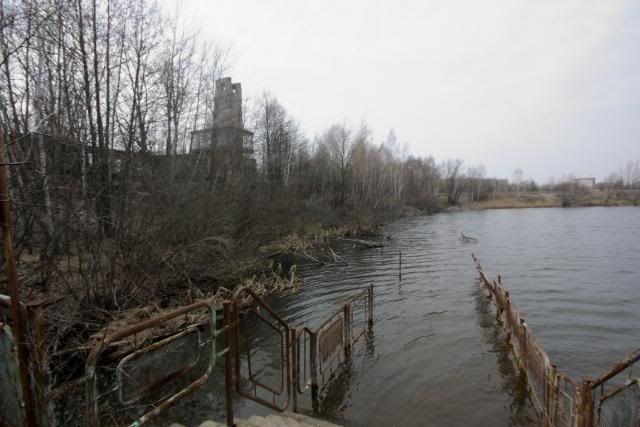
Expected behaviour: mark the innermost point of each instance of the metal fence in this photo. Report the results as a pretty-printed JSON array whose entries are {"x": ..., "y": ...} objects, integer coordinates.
[
  {"x": 320, "y": 352},
  {"x": 136, "y": 373},
  {"x": 308, "y": 359},
  {"x": 11, "y": 407},
  {"x": 612, "y": 400}
]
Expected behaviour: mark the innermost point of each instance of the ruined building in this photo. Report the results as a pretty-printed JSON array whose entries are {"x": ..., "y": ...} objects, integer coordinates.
[{"x": 228, "y": 144}]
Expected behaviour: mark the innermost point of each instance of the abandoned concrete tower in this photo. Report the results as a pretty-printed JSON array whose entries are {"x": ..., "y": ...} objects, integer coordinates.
[{"x": 227, "y": 139}]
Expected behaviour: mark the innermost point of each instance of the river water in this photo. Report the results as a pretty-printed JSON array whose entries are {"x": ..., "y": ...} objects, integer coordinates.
[{"x": 435, "y": 355}]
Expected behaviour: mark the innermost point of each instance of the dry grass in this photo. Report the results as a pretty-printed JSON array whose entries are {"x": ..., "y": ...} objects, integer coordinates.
[
  {"x": 543, "y": 200},
  {"x": 549, "y": 200}
]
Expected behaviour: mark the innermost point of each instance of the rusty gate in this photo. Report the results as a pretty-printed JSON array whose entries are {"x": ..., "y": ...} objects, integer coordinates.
[
  {"x": 309, "y": 358},
  {"x": 130, "y": 379}
]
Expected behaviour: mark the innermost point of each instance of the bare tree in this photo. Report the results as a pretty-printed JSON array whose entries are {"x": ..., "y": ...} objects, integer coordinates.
[
  {"x": 630, "y": 174},
  {"x": 339, "y": 141},
  {"x": 517, "y": 179},
  {"x": 455, "y": 181}
]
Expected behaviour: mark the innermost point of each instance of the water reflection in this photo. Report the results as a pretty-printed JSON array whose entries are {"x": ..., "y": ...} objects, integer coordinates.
[
  {"x": 514, "y": 381},
  {"x": 335, "y": 395}
]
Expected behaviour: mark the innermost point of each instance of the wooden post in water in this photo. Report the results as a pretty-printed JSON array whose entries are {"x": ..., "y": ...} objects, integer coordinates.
[{"x": 400, "y": 266}]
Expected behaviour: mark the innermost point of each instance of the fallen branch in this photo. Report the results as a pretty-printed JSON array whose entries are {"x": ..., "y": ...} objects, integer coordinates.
[
  {"x": 337, "y": 258},
  {"x": 309, "y": 257},
  {"x": 364, "y": 243}
]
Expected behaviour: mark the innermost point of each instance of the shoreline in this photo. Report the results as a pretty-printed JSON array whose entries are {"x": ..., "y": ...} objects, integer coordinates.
[{"x": 549, "y": 200}]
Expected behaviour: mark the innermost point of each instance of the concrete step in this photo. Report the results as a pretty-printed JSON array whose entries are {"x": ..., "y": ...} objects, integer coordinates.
[{"x": 286, "y": 419}]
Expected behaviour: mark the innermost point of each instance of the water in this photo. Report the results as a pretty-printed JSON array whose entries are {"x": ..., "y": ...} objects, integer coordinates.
[{"x": 435, "y": 355}]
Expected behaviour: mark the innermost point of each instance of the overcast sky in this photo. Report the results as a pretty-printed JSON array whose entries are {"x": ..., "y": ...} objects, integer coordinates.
[{"x": 551, "y": 87}]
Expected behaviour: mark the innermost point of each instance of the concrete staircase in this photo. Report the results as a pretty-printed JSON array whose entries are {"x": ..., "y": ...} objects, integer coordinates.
[{"x": 286, "y": 419}]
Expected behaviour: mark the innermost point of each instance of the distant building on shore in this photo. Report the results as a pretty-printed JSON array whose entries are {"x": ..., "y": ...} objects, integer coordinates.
[
  {"x": 227, "y": 139},
  {"x": 589, "y": 183}
]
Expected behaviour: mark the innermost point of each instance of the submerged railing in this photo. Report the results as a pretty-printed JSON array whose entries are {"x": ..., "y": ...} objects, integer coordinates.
[
  {"x": 609, "y": 401},
  {"x": 330, "y": 344},
  {"x": 132, "y": 387}
]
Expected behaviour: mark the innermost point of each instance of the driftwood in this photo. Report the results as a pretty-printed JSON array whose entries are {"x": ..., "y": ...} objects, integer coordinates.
[
  {"x": 320, "y": 258},
  {"x": 467, "y": 239},
  {"x": 337, "y": 258},
  {"x": 364, "y": 243},
  {"x": 311, "y": 258}
]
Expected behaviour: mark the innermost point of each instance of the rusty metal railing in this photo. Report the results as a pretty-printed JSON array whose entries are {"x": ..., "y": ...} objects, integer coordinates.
[
  {"x": 118, "y": 386},
  {"x": 309, "y": 357},
  {"x": 232, "y": 316},
  {"x": 329, "y": 345},
  {"x": 95, "y": 393},
  {"x": 554, "y": 396},
  {"x": 614, "y": 398},
  {"x": 608, "y": 401}
]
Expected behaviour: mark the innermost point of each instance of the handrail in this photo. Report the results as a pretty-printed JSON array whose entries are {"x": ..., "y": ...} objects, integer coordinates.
[
  {"x": 629, "y": 360},
  {"x": 292, "y": 367},
  {"x": 581, "y": 410},
  {"x": 97, "y": 349},
  {"x": 345, "y": 312},
  {"x": 285, "y": 351}
]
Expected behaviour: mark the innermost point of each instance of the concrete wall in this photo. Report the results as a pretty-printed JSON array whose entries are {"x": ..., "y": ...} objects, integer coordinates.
[{"x": 227, "y": 104}]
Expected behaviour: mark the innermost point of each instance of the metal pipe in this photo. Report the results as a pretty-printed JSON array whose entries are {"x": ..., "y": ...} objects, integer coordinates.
[
  {"x": 587, "y": 399},
  {"x": 19, "y": 326},
  {"x": 96, "y": 350},
  {"x": 370, "y": 304},
  {"x": 313, "y": 368},
  {"x": 347, "y": 329},
  {"x": 617, "y": 368},
  {"x": 294, "y": 366},
  {"x": 228, "y": 363}
]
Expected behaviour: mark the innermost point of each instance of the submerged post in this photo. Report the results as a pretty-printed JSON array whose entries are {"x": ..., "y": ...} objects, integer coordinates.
[
  {"x": 313, "y": 368},
  {"x": 228, "y": 363},
  {"x": 370, "y": 304},
  {"x": 587, "y": 404},
  {"x": 294, "y": 367},
  {"x": 346, "y": 330},
  {"x": 400, "y": 266}
]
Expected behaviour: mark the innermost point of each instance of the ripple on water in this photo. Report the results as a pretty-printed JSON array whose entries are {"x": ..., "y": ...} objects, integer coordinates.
[{"x": 435, "y": 355}]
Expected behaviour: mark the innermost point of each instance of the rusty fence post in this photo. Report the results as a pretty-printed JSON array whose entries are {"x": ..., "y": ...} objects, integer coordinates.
[
  {"x": 19, "y": 322},
  {"x": 554, "y": 393},
  {"x": 587, "y": 405},
  {"x": 228, "y": 362},
  {"x": 546, "y": 398},
  {"x": 294, "y": 367},
  {"x": 524, "y": 354},
  {"x": 346, "y": 330},
  {"x": 313, "y": 369},
  {"x": 554, "y": 389},
  {"x": 370, "y": 304}
]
